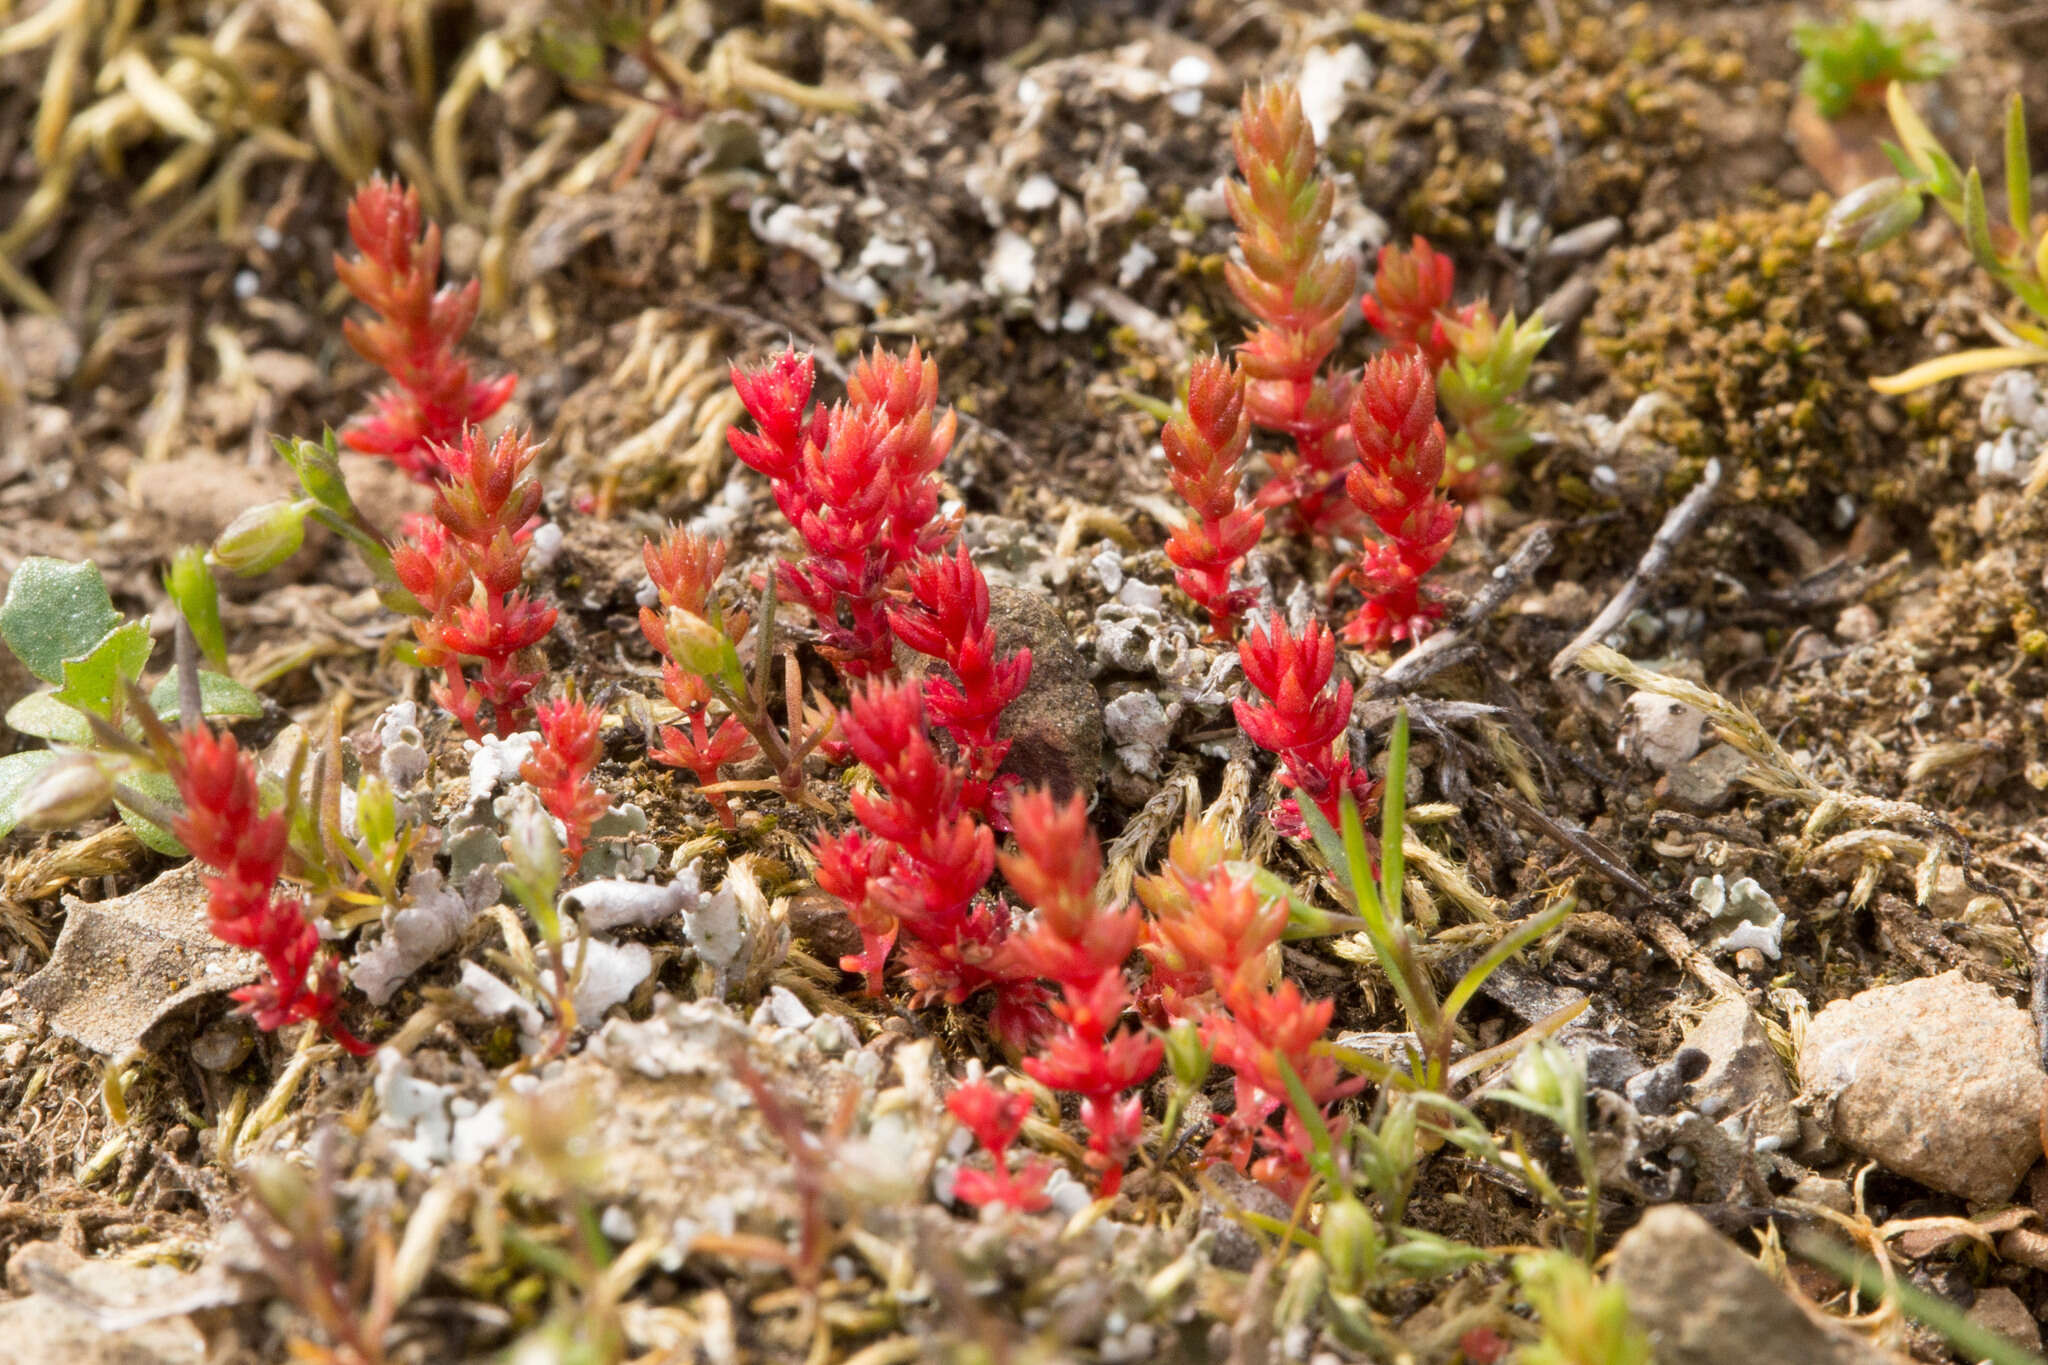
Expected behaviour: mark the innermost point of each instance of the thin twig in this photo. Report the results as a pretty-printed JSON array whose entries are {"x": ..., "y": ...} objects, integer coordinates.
[
  {"x": 1678, "y": 524},
  {"x": 1590, "y": 850},
  {"x": 1433, "y": 655}
]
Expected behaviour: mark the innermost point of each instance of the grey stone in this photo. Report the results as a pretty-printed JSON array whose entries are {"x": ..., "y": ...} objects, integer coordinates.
[
  {"x": 1235, "y": 1247},
  {"x": 1936, "y": 1079},
  {"x": 1743, "y": 1074},
  {"x": 1705, "y": 783},
  {"x": 1830, "y": 1192},
  {"x": 1705, "y": 1303},
  {"x": 2000, "y": 1310}
]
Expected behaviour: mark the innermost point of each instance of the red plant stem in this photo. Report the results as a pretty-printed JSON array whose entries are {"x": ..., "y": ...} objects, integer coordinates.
[
  {"x": 1082, "y": 949},
  {"x": 1400, "y": 465},
  {"x": 918, "y": 868},
  {"x": 224, "y": 828},
  {"x": 465, "y": 566},
  {"x": 1298, "y": 295},
  {"x": 684, "y": 567},
  {"x": 1301, "y": 718},
  {"x": 1205, "y": 447},
  {"x": 416, "y": 337},
  {"x": 947, "y": 619},
  {"x": 995, "y": 1118},
  {"x": 858, "y": 482},
  {"x": 560, "y": 769},
  {"x": 1411, "y": 299}
]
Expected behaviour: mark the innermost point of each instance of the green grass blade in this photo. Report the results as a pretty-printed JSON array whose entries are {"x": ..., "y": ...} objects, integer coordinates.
[
  {"x": 2019, "y": 171},
  {"x": 1972, "y": 1341},
  {"x": 1527, "y": 932},
  {"x": 1394, "y": 819}
]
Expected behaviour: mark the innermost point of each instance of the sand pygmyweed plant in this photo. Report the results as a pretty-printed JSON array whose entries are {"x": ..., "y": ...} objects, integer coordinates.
[
  {"x": 1849, "y": 64},
  {"x": 2012, "y": 252}
]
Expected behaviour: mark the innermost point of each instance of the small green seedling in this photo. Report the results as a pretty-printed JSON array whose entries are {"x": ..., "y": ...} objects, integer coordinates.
[
  {"x": 60, "y": 621},
  {"x": 2011, "y": 252},
  {"x": 1849, "y": 64},
  {"x": 1375, "y": 897}
]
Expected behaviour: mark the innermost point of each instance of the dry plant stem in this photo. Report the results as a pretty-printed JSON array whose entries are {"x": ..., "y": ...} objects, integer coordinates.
[
  {"x": 1595, "y": 854},
  {"x": 1443, "y": 649},
  {"x": 1679, "y": 523}
]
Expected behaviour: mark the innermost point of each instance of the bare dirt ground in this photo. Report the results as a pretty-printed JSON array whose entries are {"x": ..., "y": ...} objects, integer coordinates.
[{"x": 1032, "y": 192}]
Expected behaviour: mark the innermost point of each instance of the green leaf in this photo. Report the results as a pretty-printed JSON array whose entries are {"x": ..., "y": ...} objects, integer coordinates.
[
  {"x": 189, "y": 581},
  {"x": 16, "y": 772},
  {"x": 1527, "y": 932},
  {"x": 2019, "y": 171},
  {"x": 218, "y": 696},
  {"x": 42, "y": 715},
  {"x": 1394, "y": 820},
  {"x": 1902, "y": 162},
  {"x": 95, "y": 681},
  {"x": 55, "y": 611},
  {"x": 319, "y": 471},
  {"x": 1977, "y": 221},
  {"x": 159, "y": 787}
]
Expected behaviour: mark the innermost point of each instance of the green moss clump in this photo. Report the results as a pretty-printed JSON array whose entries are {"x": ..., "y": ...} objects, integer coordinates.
[{"x": 1766, "y": 345}]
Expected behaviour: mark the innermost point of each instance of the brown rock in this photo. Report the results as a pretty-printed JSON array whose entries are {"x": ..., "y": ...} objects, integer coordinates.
[
  {"x": 1937, "y": 1079},
  {"x": 2000, "y": 1310},
  {"x": 819, "y": 924},
  {"x": 1055, "y": 728},
  {"x": 1705, "y": 1303},
  {"x": 81, "y": 1312}
]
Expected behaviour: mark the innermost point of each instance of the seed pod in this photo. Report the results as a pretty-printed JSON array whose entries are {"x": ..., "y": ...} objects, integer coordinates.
[{"x": 262, "y": 538}]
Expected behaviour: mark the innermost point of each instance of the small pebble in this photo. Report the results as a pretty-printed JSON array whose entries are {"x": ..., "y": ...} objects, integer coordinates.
[{"x": 1858, "y": 624}]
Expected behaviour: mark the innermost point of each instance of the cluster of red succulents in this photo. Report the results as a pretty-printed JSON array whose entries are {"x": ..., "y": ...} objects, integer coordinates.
[
  {"x": 1410, "y": 302},
  {"x": 1339, "y": 423},
  {"x": 858, "y": 482},
  {"x": 416, "y": 337},
  {"x": 916, "y": 868},
  {"x": 995, "y": 1117},
  {"x": 1205, "y": 447},
  {"x": 560, "y": 768},
  {"x": 1208, "y": 941},
  {"x": 1298, "y": 294},
  {"x": 1082, "y": 949},
  {"x": 464, "y": 564},
  {"x": 1478, "y": 362},
  {"x": 1260, "y": 1028},
  {"x": 1302, "y": 718},
  {"x": 1395, "y": 483},
  {"x": 947, "y": 619},
  {"x": 684, "y": 567},
  {"x": 224, "y": 827},
  {"x": 1204, "y": 921}
]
